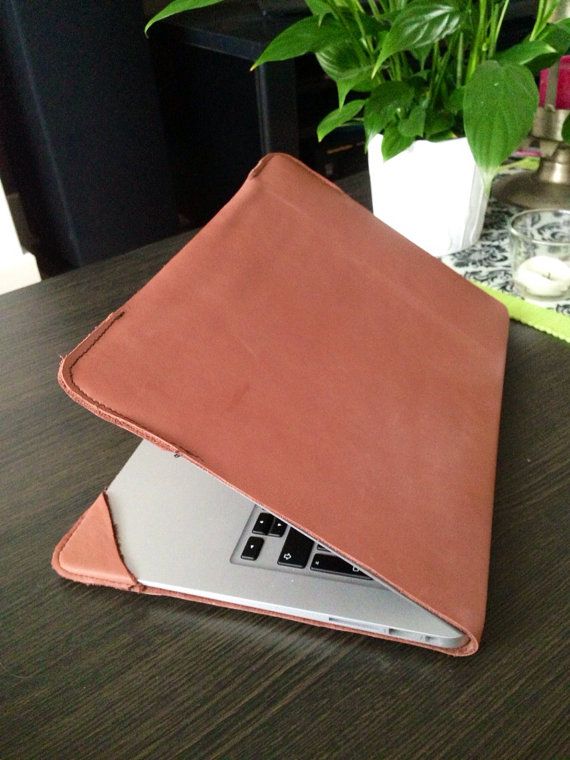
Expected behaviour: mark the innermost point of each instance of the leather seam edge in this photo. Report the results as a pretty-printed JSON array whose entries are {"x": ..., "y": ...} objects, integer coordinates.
[{"x": 82, "y": 354}]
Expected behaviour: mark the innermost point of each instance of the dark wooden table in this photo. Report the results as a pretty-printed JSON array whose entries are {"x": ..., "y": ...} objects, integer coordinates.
[{"x": 87, "y": 672}]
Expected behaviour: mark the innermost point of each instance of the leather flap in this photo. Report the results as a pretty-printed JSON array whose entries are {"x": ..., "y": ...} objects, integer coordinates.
[
  {"x": 318, "y": 362},
  {"x": 89, "y": 551}
]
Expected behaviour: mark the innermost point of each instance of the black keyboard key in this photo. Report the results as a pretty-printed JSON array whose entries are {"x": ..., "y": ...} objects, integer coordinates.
[
  {"x": 252, "y": 548},
  {"x": 263, "y": 524},
  {"x": 329, "y": 563},
  {"x": 296, "y": 549},
  {"x": 278, "y": 528}
]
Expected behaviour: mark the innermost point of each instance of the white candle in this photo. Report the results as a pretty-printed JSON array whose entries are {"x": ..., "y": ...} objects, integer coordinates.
[{"x": 544, "y": 276}]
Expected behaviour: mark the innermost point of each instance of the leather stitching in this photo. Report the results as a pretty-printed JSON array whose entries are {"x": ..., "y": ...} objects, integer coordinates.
[
  {"x": 88, "y": 348},
  {"x": 130, "y": 423}
]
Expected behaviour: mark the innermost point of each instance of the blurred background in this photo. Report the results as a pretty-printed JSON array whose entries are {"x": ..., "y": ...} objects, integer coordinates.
[{"x": 110, "y": 140}]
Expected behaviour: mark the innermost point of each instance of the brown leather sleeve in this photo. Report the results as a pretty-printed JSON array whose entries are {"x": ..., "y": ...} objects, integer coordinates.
[{"x": 315, "y": 360}]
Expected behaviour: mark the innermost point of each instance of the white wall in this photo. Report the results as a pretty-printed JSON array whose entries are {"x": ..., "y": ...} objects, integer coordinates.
[{"x": 17, "y": 267}]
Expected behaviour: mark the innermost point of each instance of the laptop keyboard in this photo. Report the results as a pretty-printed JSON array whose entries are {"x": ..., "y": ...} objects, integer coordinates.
[{"x": 296, "y": 549}]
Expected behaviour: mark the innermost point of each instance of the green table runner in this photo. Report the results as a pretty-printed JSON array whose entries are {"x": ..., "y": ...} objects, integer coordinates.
[{"x": 548, "y": 320}]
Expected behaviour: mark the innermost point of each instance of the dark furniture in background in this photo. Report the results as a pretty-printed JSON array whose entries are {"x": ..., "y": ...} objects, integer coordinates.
[
  {"x": 220, "y": 117},
  {"x": 81, "y": 126},
  {"x": 81, "y": 129},
  {"x": 93, "y": 673}
]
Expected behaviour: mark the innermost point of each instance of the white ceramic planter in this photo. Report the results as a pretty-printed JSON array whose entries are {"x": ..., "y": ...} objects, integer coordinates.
[{"x": 432, "y": 193}]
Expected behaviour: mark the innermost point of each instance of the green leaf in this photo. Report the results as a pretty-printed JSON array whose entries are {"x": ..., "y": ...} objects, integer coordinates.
[
  {"x": 421, "y": 54},
  {"x": 400, "y": 94},
  {"x": 391, "y": 16},
  {"x": 454, "y": 102},
  {"x": 566, "y": 130},
  {"x": 557, "y": 35},
  {"x": 372, "y": 26},
  {"x": 305, "y": 36},
  {"x": 340, "y": 61},
  {"x": 338, "y": 117},
  {"x": 438, "y": 123},
  {"x": 318, "y": 7},
  {"x": 418, "y": 25},
  {"x": 178, "y": 6},
  {"x": 563, "y": 23},
  {"x": 365, "y": 85},
  {"x": 442, "y": 136},
  {"x": 413, "y": 125},
  {"x": 394, "y": 142},
  {"x": 383, "y": 105},
  {"x": 344, "y": 86},
  {"x": 528, "y": 52},
  {"x": 499, "y": 106},
  {"x": 553, "y": 42}
]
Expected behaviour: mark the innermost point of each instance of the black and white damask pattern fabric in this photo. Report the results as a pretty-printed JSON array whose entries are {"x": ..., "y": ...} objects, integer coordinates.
[{"x": 489, "y": 260}]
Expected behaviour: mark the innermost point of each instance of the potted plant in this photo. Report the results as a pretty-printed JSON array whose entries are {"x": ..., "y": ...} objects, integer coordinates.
[{"x": 442, "y": 106}]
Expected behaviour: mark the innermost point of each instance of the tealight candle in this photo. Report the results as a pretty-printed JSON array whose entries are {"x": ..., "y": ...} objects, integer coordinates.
[
  {"x": 540, "y": 246},
  {"x": 544, "y": 276}
]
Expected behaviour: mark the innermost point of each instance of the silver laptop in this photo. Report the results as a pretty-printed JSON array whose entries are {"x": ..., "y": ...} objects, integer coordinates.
[{"x": 181, "y": 529}]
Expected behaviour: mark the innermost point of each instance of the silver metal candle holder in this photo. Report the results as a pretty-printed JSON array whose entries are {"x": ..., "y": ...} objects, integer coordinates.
[{"x": 549, "y": 185}]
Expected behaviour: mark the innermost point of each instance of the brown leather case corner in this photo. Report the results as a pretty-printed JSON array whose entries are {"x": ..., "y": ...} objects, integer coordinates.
[
  {"x": 310, "y": 357},
  {"x": 89, "y": 553}
]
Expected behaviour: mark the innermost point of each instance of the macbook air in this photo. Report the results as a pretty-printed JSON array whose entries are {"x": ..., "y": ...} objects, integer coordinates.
[{"x": 180, "y": 529}]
